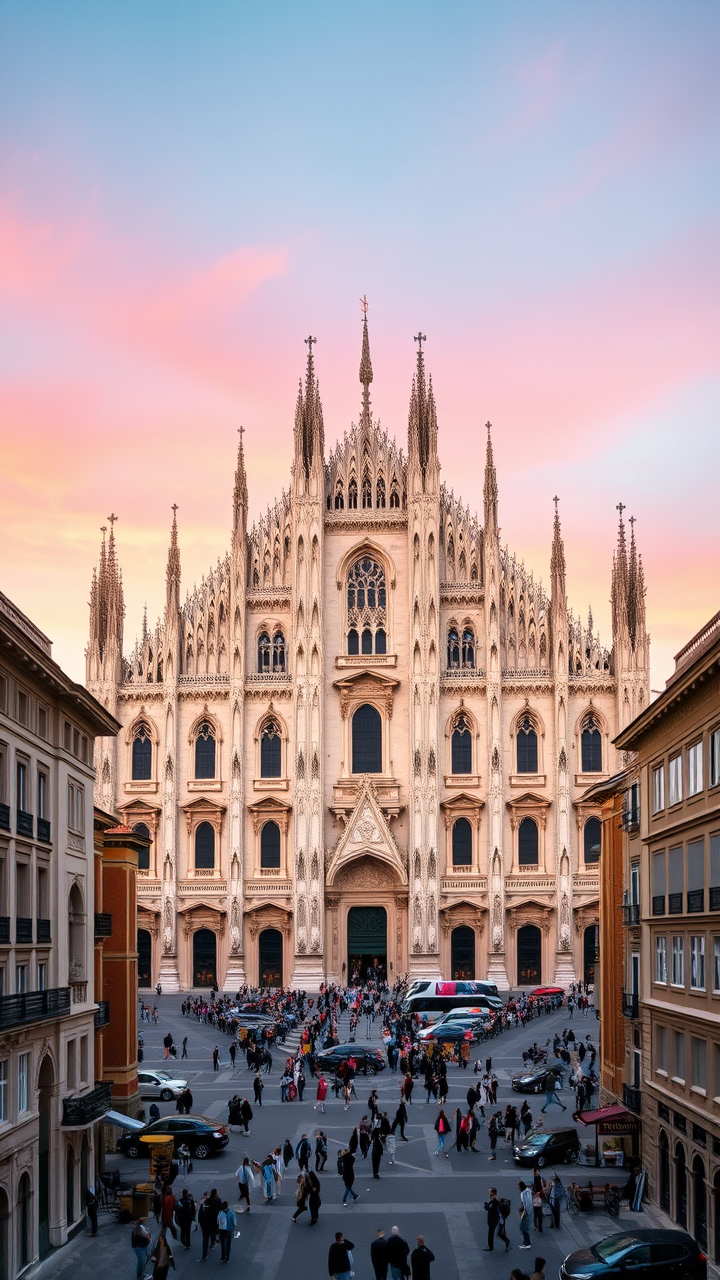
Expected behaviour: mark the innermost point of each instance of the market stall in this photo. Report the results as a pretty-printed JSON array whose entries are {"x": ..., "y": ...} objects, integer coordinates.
[{"x": 617, "y": 1134}]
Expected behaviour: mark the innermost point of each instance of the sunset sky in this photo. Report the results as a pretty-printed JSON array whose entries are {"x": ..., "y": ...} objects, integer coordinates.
[{"x": 188, "y": 189}]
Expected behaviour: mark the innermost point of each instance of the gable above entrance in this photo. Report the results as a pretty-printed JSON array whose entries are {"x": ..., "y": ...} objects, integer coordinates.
[{"x": 366, "y": 834}]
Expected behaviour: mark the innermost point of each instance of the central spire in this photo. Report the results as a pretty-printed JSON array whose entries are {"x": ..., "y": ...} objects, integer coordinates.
[
  {"x": 490, "y": 490},
  {"x": 366, "y": 371}
]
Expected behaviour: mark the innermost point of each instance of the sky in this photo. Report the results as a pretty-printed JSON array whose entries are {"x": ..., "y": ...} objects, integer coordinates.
[{"x": 188, "y": 190}]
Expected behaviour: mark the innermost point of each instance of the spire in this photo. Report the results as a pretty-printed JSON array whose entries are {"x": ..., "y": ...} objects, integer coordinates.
[
  {"x": 107, "y": 607},
  {"x": 619, "y": 594},
  {"x": 172, "y": 605},
  {"x": 240, "y": 492},
  {"x": 557, "y": 560},
  {"x": 490, "y": 491},
  {"x": 422, "y": 418},
  {"x": 366, "y": 371},
  {"x": 144, "y": 623},
  {"x": 632, "y": 584},
  {"x": 309, "y": 429}
]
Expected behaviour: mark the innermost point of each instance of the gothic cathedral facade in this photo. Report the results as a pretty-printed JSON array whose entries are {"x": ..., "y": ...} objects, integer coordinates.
[{"x": 362, "y": 741}]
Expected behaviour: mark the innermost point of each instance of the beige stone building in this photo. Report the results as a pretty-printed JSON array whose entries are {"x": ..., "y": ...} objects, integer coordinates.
[{"x": 363, "y": 738}]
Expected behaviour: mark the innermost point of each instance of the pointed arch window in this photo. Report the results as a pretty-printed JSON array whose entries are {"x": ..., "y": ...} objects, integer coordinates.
[
  {"x": 468, "y": 648},
  {"x": 270, "y": 846},
  {"x": 591, "y": 745},
  {"x": 271, "y": 750},
  {"x": 264, "y": 652},
  {"x": 279, "y": 652},
  {"x": 462, "y": 843},
  {"x": 453, "y": 649},
  {"x": 366, "y": 607},
  {"x": 352, "y": 495},
  {"x": 394, "y": 494},
  {"x": 461, "y": 746},
  {"x": 143, "y": 854},
  {"x": 366, "y": 491},
  {"x": 141, "y": 753},
  {"x": 380, "y": 493},
  {"x": 528, "y": 843},
  {"x": 367, "y": 740},
  {"x": 205, "y": 751},
  {"x": 527, "y": 746},
  {"x": 204, "y": 847},
  {"x": 339, "y": 496},
  {"x": 591, "y": 840}
]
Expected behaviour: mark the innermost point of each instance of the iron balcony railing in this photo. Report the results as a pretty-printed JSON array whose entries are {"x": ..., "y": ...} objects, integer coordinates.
[
  {"x": 631, "y": 913},
  {"x": 87, "y": 1108},
  {"x": 632, "y": 1099},
  {"x": 43, "y": 930},
  {"x": 23, "y": 929},
  {"x": 24, "y": 823},
  {"x": 5, "y": 817},
  {"x": 44, "y": 830},
  {"x": 102, "y": 1013},
  {"x": 629, "y": 1004},
  {"x": 103, "y": 924},
  {"x": 34, "y": 1006}
]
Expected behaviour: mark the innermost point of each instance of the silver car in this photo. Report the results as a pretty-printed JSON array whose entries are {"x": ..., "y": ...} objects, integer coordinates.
[{"x": 158, "y": 1084}]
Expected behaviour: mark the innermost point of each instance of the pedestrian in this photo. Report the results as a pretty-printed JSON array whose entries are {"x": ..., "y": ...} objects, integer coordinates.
[
  {"x": 154, "y": 1111},
  {"x": 188, "y": 1101},
  {"x": 442, "y": 1128},
  {"x": 550, "y": 1092},
  {"x": 526, "y": 1116},
  {"x": 167, "y": 1212},
  {"x": 162, "y": 1257},
  {"x": 539, "y": 1272},
  {"x": 226, "y": 1227},
  {"x": 140, "y": 1242},
  {"x": 376, "y": 1154},
  {"x": 346, "y": 1165},
  {"x": 91, "y": 1208},
  {"x": 185, "y": 1216},
  {"x": 517, "y": 1274},
  {"x": 246, "y": 1115},
  {"x": 233, "y": 1051},
  {"x": 397, "y": 1254},
  {"x": 301, "y": 1194},
  {"x": 378, "y": 1255},
  {"x": 495, "y": 1222},
  {"x": 303, "y": 1151},
  {"x": 493, "y": 1137},
  {"x": 184, "y": 1047},
  {"x": 167, "y": 1041},
  {"x": 205, "y": 1223},
  {"x": 340, "y": 1258},
  {"x": 407, "y": 1087},
  {"x": 390, "y": 1144},
  {"x": 538, "y": 1199},
  {"x": 314, "y": 1200},
  {"x": 400, "y": 1120},
  {"x": 287, "y": 1152},
  {"x": 320, "y": 1151},
  {"x": 525, "y": 1213},
  {"x": 246, "y": 1180},
  {"x": 557, "y": 1191},
  {"x": 320, "y": 1093},
  {"x": 216, "y": 1058},
  {"x": 258, "y": 1087},
  {"x": 269, "y": 1177},
  {"x": 420, "y": 1260}
]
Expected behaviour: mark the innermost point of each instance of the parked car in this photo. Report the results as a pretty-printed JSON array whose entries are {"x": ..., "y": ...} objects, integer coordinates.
[
  {"x": 158, "y": 1084},
  {"x": 535, "y": 1081},
  {"x": 449, "y": 1031},
  {"x": 646, "y": 1254},
  {"x": 203, "y": 1137},
  {"x": 553, "y": 1146},
  {"x": 367, "y": 1059}
]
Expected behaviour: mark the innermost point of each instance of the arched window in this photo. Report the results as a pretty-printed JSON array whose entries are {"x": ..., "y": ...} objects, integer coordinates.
[
  {"x": 591, "y": 840},
  {"x": 462, "y": 843},
  {"x": 461, "y": 746},
  {"x": 352, "y": 495},
  {"x": 271, "y": 750},
  {"x": 270, "y": 846},
  {"x": 367, "y": 740},
  {"x": 339, "y": 499},
  {"x": 366, "y": 491},
  {"x": 380, "y": 492},
  {"x": 367, "y": 607},
  {"x": 264, "y": 652},
  {"x": 204, "y": 847},
  {"x": 141, "y": 753},
  {"x": 144, "y": 854},
  {"x": 453, "y": 649},
  {"x": 394, "y": 494},
  {"x": 527, "y": 746},
  {"x": 468, "y": 648},
  {"x": 205, "y": 751},
  {"x": 528, "y": 843},
  {"x": 278, "y": 652},
  {"x": 591, "y": 745},
  {"x": 24, "y": 1221}
]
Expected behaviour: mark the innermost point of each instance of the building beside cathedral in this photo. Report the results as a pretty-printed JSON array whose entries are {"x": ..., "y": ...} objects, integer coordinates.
[{"x": 363, "y": 739}]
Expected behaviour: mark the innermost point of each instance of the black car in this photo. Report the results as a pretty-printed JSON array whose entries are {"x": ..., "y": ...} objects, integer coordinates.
[
  {"x": 536, "y": 1080},
  {"x": 449, "y": 1032},
  {"x": 202, "y": 1137},
  {"x": 366, "y": 1058},
  {"x": 553, "y": 1146},
  {"x": 646, "y": 1255}
]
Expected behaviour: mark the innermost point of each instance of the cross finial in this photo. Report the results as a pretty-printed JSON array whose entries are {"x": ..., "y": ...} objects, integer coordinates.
[
  {"x": 174, "y": 509},
  {"x": 364, "y": 305},
  {"x": 310, "y": 342},
  {"x": 631, "y": 521},
  {"x": 113, "y": 518},
  {"x": 241, "y": 433},
  {"x": 556, "y": 500},
  {"x": 420, "y": 338},
  {"x": 620, "y": 507},
  {"x": 489, "y": 427}
]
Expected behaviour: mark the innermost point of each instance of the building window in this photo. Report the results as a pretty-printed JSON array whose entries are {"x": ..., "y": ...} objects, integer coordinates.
[
  {"x": 631, "y": 807},
  {"x": 367, "y": 740},
  {"x": 528, "y": 843},
  {"x": 694, "y": 768},
  {"x": 380, "y": 492},
  {"x": 264, "y": 652},
  {"x": 204, "y": 847},
  {"x": 270, "y": 846},
  {"x": 677, "y": 970},
  {"x": 461, "y": 746},
  {"x": 675, "y": 877},
  {"x": 658, "y": 788},
  {"x": 462, "y": 843},
  {"x": 714, "y": 771},
  {"x": 23, "y": 1082},
  {"x": 42, "y": 795},
  {"x": 453, "y": 649},
  {"x": 591, "y": 840},
  {"x": 679, "y": 1055},
  {"x": 20, "y": 979},
  {"x": 591, "y": 745},
  {"x": 660, "y": 1049},
  {"x": 279, "y": 657},
  {"x": 76, "y": 813},
  {"x": 676, "y": 780},
  {"x": 696, "y": 876},
  {"x": 366, "y": 607},
  {"x": 23, "y": 707},
  {"x": 716, "y": 964},
  {"x": 698, "y": 1064},
  {"x": 143, "y": 854},
  {"x": 339, "y": 499},
  {"x": 42, "y": 722},
  {"x": 42, "y": 975},
  {"x": 697, "y": 962},
  {"x": 22, "y": 798},
  {"x": 3, "y": 1091},
  {"x": 205, "y": 751},
  {"x": 271, "y": 750},
  {"x": 658, "y": 883},
  {"x": 141, "y": 753},
  {"x": 352, "y": 495},
  {"x": 661, "y": 959},
  {"x": 527, "y": 746}
]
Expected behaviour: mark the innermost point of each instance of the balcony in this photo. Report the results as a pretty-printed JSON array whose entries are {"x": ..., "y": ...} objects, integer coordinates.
[
  {"x": 715, "y": 898},
  {"x": 4, "y": 928},
  {"x": 34, "y": 1006},
  {"x": 631, "y": 913},
  {"x": 24, "y": 823},
  {"x": 675, "y": 904},
  {"x": 103, "y": 925},
  {"x": 79, "y": 1112},
  {"x": 631, "y": 820},
  {"x": 44, "y": 830},
  {"x": 658, "y": 904},
  {"x": 43, "y": 930},
  {"x": 695, "y": 901},
  {"x": 102, "y": 1014},
  {"x": 23, "y": 929},
  {"x": 632, "y": 1099},
  {"x": 4, "y": 817},
  {"x": 629, "y": 1004}
]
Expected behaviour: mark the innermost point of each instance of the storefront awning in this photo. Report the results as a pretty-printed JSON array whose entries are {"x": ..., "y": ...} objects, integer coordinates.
[
  {"x": 606, "y": 1115},
  {"x": 123, "y": 1122}
]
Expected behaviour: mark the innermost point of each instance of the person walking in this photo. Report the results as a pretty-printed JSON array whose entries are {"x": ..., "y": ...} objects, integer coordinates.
[
  {"x": 420, "y": 1260},
  {"x": 407, "y": 1087},
  {"x": 216, "y": 1059},
  {"x": 320, "y": 1151},
  {"x": 303, "y": 1151},
  {"x": 246, "y": 1180},
  {"x": 442, "y": 1128},
  {"x": 397, "y": 1254},
  {"x": 493, "y": 1137},
  {"x": 526, "y": 1116},
  {"x": 376, "y": 1153},
  {"x": 539, "y": 1272},
  {"x": 91, "y": 1208},
  {"x": 184, "y": 1053},
  {"x": 258, "y": 1087},
  {"x": 550, "y": 1092},
  {"x": 340, "y": 1259},
  {"x": 495, "y": 1222},
  {"x": 390, "y": 1145},
  {"x": 301, "y": 1193},
  {"x": 226, "y": 1227},
  {"x": 557, "y": 1191},
  {"x": 346, "y": 1163},
  {"x": 205, "y": 1223},
  {"x": 246, "y": 1115},
  {"x": 162, "y": 1257},
  {"x": 378, "y": 1255},
  {"x": 167, "y": 1213},
  {"x": 167, "y": 1041},
  {"x": 269, "y": 1177},
  {"x": 538, "y": 1199},
  {"x": 400, "y": 1120},
  {"x": 313, "y": 1196},
  {"x": 185, "y": 1216},
  {"x": 320, "y": 1093},
  {"x": 140, "y": 1243},
  {"x": 525, "y": 1213}
]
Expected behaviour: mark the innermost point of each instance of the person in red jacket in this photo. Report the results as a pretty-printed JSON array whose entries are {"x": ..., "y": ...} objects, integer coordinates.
[
  {"x": 167, "y": 1212},
  {"x": 321, "y": 1093}
]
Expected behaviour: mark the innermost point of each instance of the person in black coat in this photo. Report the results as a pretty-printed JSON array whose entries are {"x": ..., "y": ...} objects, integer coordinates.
[
  {"x": 400, "y": 1121},
  {"x": 245, "y": 1114},
  {"x": 378, "y": 1256},
  {"x": 377, "y": 1152},
  {"x": 347, "y": 1162},
  {"x": 338, "y": 1260},
  {"x": 495, "y": 1221},
  {"x": 397, "y": 1254},
  {"x": 420, "y": 1260}
]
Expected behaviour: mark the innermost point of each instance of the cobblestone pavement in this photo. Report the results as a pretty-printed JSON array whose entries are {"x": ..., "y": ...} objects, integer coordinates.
[{"x": 440, "y": 1198}]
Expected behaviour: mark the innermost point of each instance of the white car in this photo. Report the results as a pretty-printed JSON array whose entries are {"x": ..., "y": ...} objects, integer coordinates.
[{"x": 158, "y": 1084}]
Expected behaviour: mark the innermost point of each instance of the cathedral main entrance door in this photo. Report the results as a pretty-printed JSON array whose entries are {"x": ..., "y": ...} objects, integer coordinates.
[
  {"x": 204, "y": 958},
  {"x": 529, "y": 956},
  {"x": 367, "y": 943}
]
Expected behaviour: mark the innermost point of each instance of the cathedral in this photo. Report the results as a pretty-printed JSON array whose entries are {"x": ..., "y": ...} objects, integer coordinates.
[{"x": 362, "y": 741}]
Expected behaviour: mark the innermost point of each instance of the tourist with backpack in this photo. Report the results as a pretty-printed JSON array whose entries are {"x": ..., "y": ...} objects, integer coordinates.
[{"x": 226, "y": 1227}]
